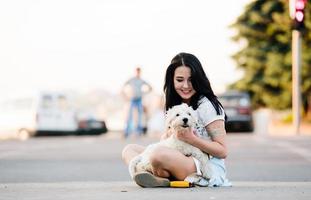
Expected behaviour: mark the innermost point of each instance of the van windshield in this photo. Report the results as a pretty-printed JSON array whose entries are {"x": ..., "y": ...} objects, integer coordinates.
[
  {"x": 62, "y": 103},
  {"x": 47, "y": 101}
]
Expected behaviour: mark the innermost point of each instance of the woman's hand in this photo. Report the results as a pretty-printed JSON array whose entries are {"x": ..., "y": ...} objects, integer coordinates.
[{"x": 186, "y": 134}]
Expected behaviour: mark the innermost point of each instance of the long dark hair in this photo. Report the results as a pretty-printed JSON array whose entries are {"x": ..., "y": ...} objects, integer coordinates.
[{"x": 199, "y": 81}]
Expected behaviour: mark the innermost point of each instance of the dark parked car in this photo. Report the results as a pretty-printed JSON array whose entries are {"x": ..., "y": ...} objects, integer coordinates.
[
  {"x": 89, "y": 124},
  {"x": 238, "y": 109},
  {"x": 91, "y": 127}
]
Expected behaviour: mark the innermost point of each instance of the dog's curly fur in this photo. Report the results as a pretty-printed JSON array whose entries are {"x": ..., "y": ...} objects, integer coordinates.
[{"x": 177, "y": 118}]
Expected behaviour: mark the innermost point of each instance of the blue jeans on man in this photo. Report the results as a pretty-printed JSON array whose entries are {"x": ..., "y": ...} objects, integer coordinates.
[{"x": 136, "y": 103}]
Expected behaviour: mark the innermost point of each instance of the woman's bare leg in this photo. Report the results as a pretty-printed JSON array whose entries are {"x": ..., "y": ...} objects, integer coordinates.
[
  {"x": 169, "y": 162},
  {"x": 130, "y": 151}
]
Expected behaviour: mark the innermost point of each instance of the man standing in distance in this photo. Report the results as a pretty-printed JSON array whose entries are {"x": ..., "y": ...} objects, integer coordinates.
[{"x": 134, "y": 89}]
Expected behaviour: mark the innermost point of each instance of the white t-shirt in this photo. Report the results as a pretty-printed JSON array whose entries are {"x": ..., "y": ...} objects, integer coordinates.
[{"x": 206, "y": 114}]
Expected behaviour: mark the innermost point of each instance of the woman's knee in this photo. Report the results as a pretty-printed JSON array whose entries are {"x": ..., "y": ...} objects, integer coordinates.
[
  {"x": 130, "y": 151},
  {"x": 125, "y": 150}
]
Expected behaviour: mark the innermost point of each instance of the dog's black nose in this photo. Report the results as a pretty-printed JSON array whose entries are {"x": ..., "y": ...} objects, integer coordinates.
[{"x": 185, "y": 120}]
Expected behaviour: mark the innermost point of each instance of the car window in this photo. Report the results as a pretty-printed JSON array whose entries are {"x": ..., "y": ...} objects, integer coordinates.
[
  {"x": 62, "y": 103},
  {"x": 232, "y": 101},
  {"x": 244, "y": 101},
  {"x": 47, "y": 101}
]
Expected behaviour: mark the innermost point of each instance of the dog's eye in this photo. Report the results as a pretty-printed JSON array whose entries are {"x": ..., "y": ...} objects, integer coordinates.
[
  {"x": 189, "y": 114},
  {"x": 177, "y": 115}
]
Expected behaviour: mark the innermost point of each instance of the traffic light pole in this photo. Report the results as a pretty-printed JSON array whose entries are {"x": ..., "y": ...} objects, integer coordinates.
[{"x": 296, "y": 93}]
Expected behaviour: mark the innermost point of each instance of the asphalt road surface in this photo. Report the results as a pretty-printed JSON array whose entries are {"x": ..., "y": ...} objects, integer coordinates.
[
  {"x": 90, "y": 167},
  {"x": 98, "y": 158}
]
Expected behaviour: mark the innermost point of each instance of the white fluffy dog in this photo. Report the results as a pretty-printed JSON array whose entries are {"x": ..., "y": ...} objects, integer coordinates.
[{"x": 177, "y": 118}]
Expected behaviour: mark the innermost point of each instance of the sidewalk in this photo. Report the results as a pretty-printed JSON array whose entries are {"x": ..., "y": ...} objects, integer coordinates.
[
  {"x": 281, "y": 129},
  {"x": 128, "y": 190},
  {"x": 269, "y": 123}
]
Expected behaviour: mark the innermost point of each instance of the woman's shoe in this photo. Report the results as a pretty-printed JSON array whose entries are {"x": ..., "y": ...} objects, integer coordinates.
[{"x": 148, "y": 180}]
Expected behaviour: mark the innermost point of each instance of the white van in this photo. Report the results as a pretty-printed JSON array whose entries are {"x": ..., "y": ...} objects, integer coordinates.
[{"x": 42, "y": 112}]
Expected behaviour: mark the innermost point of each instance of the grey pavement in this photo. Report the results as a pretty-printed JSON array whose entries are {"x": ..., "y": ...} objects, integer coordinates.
[
  {"x": 260, "y": 167},
  {"x": 128, "y": 190}
]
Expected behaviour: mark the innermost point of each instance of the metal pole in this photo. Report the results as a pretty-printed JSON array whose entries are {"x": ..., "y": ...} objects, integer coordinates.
[{"x": 296, "y": 98}]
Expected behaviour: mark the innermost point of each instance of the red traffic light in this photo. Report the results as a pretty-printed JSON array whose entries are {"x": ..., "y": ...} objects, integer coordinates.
[
  {"x": 300, "y": 4},
  {"x": 299, "y": 14}
]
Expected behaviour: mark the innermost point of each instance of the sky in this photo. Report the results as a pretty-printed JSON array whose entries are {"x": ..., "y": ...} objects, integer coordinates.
[{"x": 96, "y": 44}]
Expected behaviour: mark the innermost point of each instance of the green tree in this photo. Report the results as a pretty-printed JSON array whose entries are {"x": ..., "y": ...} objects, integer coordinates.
[{"x": 264, "y": 30}]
